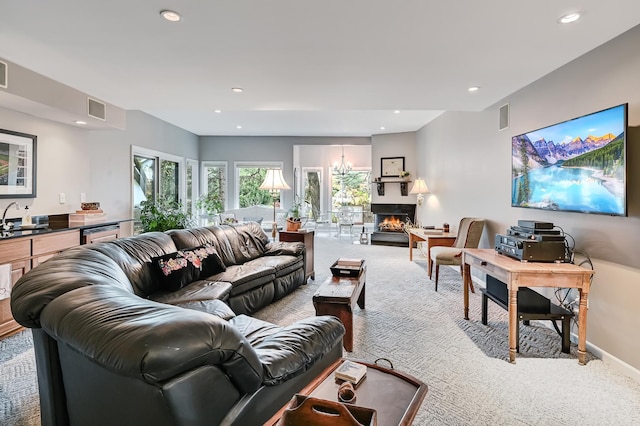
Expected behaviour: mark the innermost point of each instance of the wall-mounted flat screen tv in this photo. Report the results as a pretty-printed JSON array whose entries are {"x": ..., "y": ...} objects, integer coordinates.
[{"x": 577, "y": 165}]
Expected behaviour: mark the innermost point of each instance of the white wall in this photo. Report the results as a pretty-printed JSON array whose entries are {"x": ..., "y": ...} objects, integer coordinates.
[
  {"x": 62, "y": 165},
  {"x": 466, "y": 162},
  {"x": 394, "y": 145},
  {"x": 98, "y": 163}
]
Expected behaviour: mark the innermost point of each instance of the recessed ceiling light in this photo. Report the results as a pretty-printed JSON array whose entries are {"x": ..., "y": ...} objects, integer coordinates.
[
  {"x": 238, "y": 127},
  {"x": 473, "y": 89},
  {"x": 381, "y": 127},
  {"x": 237, "y": 89},
  {"x": 396, "y": 111},
  {"x": 80, "y": 122},
  {"x": 569, "y": 18},
  {"x": 170, "y": 15},
  {"x": 217, "y": 111}
]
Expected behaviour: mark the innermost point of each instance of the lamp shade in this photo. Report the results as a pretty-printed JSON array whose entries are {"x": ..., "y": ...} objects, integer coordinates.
[
  {"x": 419, "y": 187},
  {"x": 274, "y": 180}
]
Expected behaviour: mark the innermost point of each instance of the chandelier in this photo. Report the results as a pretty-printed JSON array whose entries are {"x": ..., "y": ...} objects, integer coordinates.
[{"x": 343, "y": 168}]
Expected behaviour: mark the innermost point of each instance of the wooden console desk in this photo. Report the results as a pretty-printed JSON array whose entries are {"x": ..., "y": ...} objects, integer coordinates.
[
  {"x": 442, "y": 239},
  {"x": 518, "y": 274}
]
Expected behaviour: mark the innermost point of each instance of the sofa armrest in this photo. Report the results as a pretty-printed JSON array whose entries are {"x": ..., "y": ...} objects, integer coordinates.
[
  {"x": 277, "y": 248},
  {"x": 147, "y": 340},
  {"x": 294, "y": 349}
]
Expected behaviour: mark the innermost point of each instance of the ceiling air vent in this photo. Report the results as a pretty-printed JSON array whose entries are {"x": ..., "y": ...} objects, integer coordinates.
[
  {"x": 504, "y": 117},
  {"x": 97, "y": 109},
  {"x": 4, "y": 71}
]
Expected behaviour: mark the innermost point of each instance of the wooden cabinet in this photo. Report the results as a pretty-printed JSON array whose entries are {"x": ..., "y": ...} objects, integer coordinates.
[
  {"x": 48, "y": 245},
  {"x": 17, "y": 256},
  {"x": 303, "y": 236},
  {"x": 101, "y": 235},
  {"x": 14, "y": 262}
]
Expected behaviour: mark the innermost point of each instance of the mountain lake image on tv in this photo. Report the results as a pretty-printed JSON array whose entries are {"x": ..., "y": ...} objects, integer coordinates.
[{"x": 577, "y": 165}]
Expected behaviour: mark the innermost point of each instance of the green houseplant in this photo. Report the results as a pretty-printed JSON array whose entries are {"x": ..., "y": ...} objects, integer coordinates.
[{"x": 163, "y": 215}]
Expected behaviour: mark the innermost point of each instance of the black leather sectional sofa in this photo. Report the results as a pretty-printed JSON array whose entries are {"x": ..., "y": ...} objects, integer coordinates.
[{"x": 139, "y": 330}]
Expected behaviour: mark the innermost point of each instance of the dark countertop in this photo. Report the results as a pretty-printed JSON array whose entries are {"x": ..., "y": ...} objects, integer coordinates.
[{"x": 44, "y": 228}]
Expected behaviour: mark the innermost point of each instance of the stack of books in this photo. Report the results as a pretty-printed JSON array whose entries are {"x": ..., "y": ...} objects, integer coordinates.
[{"x": 351, "y": 372}]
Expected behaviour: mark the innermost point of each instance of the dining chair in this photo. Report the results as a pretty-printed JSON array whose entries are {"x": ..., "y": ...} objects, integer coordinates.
[{"x": 469, "y": 233}]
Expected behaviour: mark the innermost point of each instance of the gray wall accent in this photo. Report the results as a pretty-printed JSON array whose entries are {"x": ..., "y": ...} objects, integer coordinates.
[
  {"x": 43, "y": 97},
  {"x": 467, "y": 165},
  {"x": 110, "y": 156},
  {"x": 266, "y": 148}
]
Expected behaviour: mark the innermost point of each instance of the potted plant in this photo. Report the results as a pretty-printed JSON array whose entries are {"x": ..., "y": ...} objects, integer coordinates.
[
  {"x": 404, "y": 174},
  {"x": 163, "y": 215},
  {"x": 294, "y": 221}
]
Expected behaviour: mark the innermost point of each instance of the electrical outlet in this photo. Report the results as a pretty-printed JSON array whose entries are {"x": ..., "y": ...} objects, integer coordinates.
[
  {"x": 62, "y": 198},
  {"x": 83, "y": 197}
]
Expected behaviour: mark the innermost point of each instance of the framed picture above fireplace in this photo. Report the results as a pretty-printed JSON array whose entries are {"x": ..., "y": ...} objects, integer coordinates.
[{"x": 391, "y": 166}]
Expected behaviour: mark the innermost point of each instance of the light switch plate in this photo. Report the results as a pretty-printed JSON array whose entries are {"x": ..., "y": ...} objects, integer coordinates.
[{"x": 63, "y": 198}]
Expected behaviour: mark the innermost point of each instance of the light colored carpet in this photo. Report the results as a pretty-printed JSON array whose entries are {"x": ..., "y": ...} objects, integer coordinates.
[{"x": 424, "y": 334}]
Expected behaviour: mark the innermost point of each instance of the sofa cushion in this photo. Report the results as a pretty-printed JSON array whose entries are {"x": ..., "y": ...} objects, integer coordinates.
[
  {"x": 201, "y": 290},
  {"x": 283, "y": 265},
  {"x": 245, "y": 277}
]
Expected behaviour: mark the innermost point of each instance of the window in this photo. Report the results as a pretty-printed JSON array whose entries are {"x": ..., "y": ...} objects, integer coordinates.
[
  {"x": 312, "y": 190},
  {"x": 214, "y": 184},
  {"x": 156, "y": 177},
  {"x": 191, "y": 186},
  {"x": 351, "y": 189},
  {"x": 249, "y": 177}
]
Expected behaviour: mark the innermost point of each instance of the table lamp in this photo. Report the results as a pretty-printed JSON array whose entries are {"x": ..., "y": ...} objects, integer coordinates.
[
  {"x": 274, "y": 182},
  {"x": 419, "y": 187}
]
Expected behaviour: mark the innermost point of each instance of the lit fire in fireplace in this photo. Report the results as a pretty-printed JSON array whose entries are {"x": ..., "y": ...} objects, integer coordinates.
[{"x": 391, "y": 224}]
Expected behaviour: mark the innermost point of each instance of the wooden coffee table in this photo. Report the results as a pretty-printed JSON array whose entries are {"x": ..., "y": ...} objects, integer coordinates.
[
  {"x": 394, "y": 395},
  {"x": 337, "y": 296}
]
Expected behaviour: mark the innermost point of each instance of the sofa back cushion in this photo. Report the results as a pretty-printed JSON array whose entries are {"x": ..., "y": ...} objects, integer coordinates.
[
  {"x": 134, "y": 255},
  {"x": 236, "y": 244}
]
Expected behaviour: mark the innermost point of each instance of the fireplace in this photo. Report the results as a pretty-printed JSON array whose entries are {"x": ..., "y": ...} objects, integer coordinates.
[{"x": 389, "y": 223}]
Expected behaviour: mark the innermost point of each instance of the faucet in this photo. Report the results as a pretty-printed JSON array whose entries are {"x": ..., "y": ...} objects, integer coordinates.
[{"x": 6, "y": 226}]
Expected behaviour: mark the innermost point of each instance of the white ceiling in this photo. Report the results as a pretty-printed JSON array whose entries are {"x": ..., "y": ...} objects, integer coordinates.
[{"x": 308, "y": 68}]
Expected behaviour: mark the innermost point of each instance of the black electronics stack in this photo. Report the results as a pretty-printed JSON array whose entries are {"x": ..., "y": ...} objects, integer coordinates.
[{"x": 532, "y": 241}]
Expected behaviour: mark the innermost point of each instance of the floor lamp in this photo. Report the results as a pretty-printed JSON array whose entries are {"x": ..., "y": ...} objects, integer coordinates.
[
  {"x": 419, "y": 187},
  {"x": 274, "y": 182}
]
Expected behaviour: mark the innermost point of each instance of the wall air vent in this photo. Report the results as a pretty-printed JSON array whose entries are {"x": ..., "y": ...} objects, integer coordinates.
[
  {"x": 96, "y": 109},
  {"x": 504, "y": 117},
  {"x": 4, "y": 75}
]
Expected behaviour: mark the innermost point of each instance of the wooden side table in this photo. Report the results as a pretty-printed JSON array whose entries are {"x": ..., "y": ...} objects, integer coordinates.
[{"x": 305, "y": 236}]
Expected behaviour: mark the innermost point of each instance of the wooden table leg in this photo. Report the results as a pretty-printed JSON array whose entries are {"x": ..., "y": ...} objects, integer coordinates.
[
  {"x": 361, "y": 297},
  {"x": 513, "y": 324},
  {"x": 466, "y": 278},
  {"x": 582, "y": 328},
  {"x": 410, "y": 247}
]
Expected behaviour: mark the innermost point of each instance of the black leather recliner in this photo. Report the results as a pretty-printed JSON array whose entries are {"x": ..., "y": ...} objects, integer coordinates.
[{"x": 107, "y": 354}]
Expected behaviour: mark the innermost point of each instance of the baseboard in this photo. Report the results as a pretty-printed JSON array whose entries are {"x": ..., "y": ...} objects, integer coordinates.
[{"x": 612, "y": 361}]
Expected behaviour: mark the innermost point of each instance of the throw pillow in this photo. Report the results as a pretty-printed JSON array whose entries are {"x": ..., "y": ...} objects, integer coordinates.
[
  {"x": 210, "y": 261},
  {"x": 186, "y": 266},
  {"x": 176, "y": 270}
]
